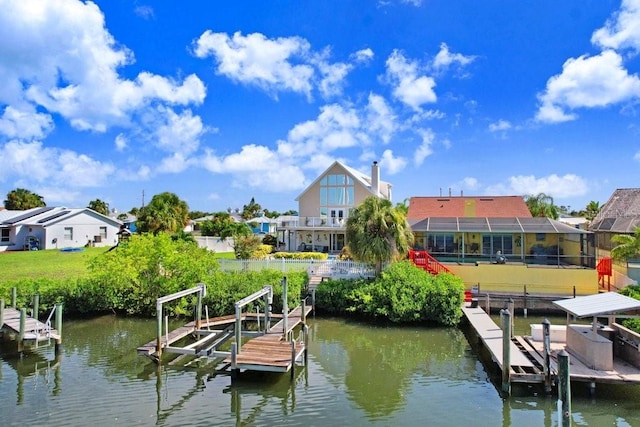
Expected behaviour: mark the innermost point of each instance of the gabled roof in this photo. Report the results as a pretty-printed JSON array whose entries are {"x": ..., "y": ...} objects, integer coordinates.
[
  {"x": 48, "y": 216},
  {"x": 621, "y": 213},
  {"x": 470, "y": 207},
  {"x": 358, "y": 176}
]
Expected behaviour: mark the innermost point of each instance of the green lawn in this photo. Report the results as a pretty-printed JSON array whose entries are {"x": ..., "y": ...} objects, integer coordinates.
[{"x": 52, "y": 264}]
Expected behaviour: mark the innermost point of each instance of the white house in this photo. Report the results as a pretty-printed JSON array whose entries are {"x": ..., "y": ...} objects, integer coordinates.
[
  {"x": 324, "y": 207},
  {"x": 56, "y": 228}
]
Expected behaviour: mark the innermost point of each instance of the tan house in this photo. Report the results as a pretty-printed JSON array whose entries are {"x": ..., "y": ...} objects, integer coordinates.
[{"x": 324, "y": 206}]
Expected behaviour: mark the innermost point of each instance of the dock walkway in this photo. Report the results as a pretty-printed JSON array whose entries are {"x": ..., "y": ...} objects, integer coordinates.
[
  {"x": 270, "y": 352},
  {"x": 35, "y": 330}
]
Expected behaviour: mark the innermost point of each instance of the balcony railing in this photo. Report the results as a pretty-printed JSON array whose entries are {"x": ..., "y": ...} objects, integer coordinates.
[{"x": 316, "y": 221}]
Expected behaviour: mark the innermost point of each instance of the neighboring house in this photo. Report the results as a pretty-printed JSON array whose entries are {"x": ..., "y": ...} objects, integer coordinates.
[
  {"x": 127, "y": 219},
  {"x": 56, "y": 227},
  {"x": 470, "y": 235},
  {"x": 476, "y": 228},
  {"x": 577, "y": 222},
  {"x": 324, "y": 207},
  {"x": 620, "y": 215},
  {"x": 263, "y": 225}
]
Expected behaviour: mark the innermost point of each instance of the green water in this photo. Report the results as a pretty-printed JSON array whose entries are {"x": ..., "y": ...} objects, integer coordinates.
[{"x": 357, "y": 374}]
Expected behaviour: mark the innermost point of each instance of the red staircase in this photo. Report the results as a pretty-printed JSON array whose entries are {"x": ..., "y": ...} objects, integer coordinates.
[
  {"x": 605, "y": 270},
  {"x": 424, "y": 260}
]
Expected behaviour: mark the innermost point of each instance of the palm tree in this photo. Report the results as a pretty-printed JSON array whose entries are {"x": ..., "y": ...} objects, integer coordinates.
[
  {"x": 165, "y": 212},
  {"x": 541, "y": 205},
  {"x": 628, "y": 245},
  {"x": 22, "y": 199},
  {"x": 99, "y": 206},
  {"x": 377, "y": 232},
  {"x": 592, "y": 209}
]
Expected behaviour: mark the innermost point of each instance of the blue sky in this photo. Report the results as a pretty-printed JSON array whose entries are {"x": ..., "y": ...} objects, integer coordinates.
[{"x": 220, "y": 102}]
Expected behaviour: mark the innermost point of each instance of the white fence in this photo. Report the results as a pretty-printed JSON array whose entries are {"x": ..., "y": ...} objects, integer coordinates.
[
  {"x": 325, "y": 268},
  {"x": 215, "y": 244}
]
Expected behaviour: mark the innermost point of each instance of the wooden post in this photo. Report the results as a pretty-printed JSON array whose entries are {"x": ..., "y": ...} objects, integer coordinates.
[
  {"x": 22, "y": 331},
  {"x": 546, "y": 341},
  {"x": 238, "y": 329},
  {"x": 285, "y": 309},
  {"x": 199, "y": 306},
  {"x": 235, "y": 372},
  {"x": 14, "y": 295},
  {"x": 488, "y": 304},
  {"x": 305, "y": 331},
  {"x": 313, "y": 302},
  {"x": 36, "y": 306},
  {"x": 267, "y": 311},
  {"x": 525, "y": 301},
  {"x": 159, "y": 330},
  {"x": 1, "y": 312},
  {"x": 303, "y": 315},
  {"x": 564, "y": 389},
  {"x": 512, "y": 312},
  {"x": 505, "y": 318},
  {"x": 293, "y": 359},
  {"x": 58, "y": 344}
]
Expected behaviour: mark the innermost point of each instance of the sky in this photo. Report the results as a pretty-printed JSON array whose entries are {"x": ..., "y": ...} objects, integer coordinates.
[{"x": 219, "y": 102}]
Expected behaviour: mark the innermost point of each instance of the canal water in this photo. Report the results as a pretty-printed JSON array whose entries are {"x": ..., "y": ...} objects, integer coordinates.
[{"x": 357, "y": 374}]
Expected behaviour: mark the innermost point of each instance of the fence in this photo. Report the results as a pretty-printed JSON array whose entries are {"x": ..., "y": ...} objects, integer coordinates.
[{"x": 325, "y": 268}]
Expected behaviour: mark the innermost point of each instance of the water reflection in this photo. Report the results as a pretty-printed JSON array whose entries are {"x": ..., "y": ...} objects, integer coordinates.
[{"x": 357, "y": 374}]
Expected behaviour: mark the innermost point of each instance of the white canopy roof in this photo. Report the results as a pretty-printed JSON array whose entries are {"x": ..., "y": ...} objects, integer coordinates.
[{"x": 598, "y": 305}]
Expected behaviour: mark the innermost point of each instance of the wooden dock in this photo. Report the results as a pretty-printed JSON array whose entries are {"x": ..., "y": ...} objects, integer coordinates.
[
  {"x": 35, "y": 331},
  {"x": 527, "y": 356},
  {"x": 271, "y": 352}
]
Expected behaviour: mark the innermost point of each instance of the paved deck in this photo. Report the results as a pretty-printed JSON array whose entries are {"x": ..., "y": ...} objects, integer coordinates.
[{"x": 35, "y": 330}]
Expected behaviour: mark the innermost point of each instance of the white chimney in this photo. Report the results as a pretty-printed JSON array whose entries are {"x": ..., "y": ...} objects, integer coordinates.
[{"x": 375, "y": 178}]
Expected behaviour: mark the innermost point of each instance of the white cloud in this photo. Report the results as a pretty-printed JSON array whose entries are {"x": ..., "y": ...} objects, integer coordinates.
[
  {"x": 332, "y": 74},
  {"x": 444, "y": 59},
  {"x": 470, "y": 183},
  {"x": 380, "y": 118},
  {"x": 410, "y": 88},
  {"x": 177, "y": 133},
  {"x": 37, "y": 165},
  {"x": 500, "y": 125},
  {"x": 253, "y": 59},
  {"x": 622, "y": 30},
  {"x": 596, "y": 81},
  {"x": 424, "y": 149},
  {"x": 63, "y": 59},
  {"x": 390, "y": 164},
  {"x": 363, "y": 56},
  {"x": 26, "y": 125},
  {"x": 121, "y": 142},
  {"x": 144, "y": 11},
  {"x": 565, "y": 186}
]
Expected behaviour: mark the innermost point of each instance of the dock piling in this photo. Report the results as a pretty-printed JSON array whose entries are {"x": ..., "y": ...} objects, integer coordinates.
[
  {"x": 305, "y": 331},
  {"x": 293, "y": 359},
  {"x": 285, "y": 309},
  {"x": 488, "y": 304},
  {"x": 505, "y": 318},
  {"x": 58, "y": 344},
  {"x": 546, "y": 341},
  {"x": 512, "y": 312},
  {"x": 525, "y": 301},
  {"x": 36, "y": 306},
  {"x": 14, "y": 297},
  {"x": 1, "y": 312},
  {"x": 564, "y": 389},
  {"x": 21, "y": 333}
]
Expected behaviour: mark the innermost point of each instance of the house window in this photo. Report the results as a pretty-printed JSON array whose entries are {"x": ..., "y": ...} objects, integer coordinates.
[
  {"x": 336, "y": 190},
  {"x": 4, "y": 236},
  {"x": 103, "y": 232},
  {"x": 68, "y": 233},
  {"x": 492, "y": 243},
  {"x": 440, "y": 243}
]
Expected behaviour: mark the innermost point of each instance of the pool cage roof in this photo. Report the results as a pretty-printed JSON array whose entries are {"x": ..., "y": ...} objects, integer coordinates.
[{"x": 494, "y": 225}]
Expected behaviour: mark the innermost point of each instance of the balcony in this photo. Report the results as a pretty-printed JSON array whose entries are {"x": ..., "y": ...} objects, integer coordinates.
[{"x": 317, "y": 222}]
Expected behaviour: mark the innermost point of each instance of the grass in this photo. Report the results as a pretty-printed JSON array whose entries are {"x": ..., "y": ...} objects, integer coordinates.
[{"x": 52, "y": 264}]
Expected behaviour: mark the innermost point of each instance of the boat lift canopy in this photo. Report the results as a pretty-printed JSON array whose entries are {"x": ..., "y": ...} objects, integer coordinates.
[{"x": 604, "y": 304}]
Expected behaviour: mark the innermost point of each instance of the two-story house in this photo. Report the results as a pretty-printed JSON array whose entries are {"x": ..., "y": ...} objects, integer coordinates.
[{"x": 324, "y": 206}]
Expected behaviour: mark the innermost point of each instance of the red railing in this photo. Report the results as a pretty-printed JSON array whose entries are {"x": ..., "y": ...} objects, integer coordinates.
[
  {"x": 424, "y": 260},
  {"x": 605, "y": 270}
]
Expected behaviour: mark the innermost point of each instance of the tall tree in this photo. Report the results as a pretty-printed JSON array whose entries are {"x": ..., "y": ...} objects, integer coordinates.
[
  {"x": 21, "y": 199},
  {"x": 99, "y": 206},
  {"x": 628, "y": 245},
  {"x": 541, "y": 205},
  {"x": 164, "y": 213},
  {"x": 251, "y": 210},
  {"x": 592, "y": 209},
  {"x": 377, "y": 232}
]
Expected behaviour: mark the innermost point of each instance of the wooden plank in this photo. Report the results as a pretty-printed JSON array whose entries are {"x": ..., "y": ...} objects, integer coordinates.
[{"x": 491, "y": 336}]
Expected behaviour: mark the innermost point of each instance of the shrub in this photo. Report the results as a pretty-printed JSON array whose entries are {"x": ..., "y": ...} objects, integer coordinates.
[
  {"x": 301, "y": 255},
  {"x": 403, "y": 293}
]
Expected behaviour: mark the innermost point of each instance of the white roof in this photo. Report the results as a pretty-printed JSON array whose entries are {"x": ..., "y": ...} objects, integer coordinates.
[{"x": 598, "y": 304}]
